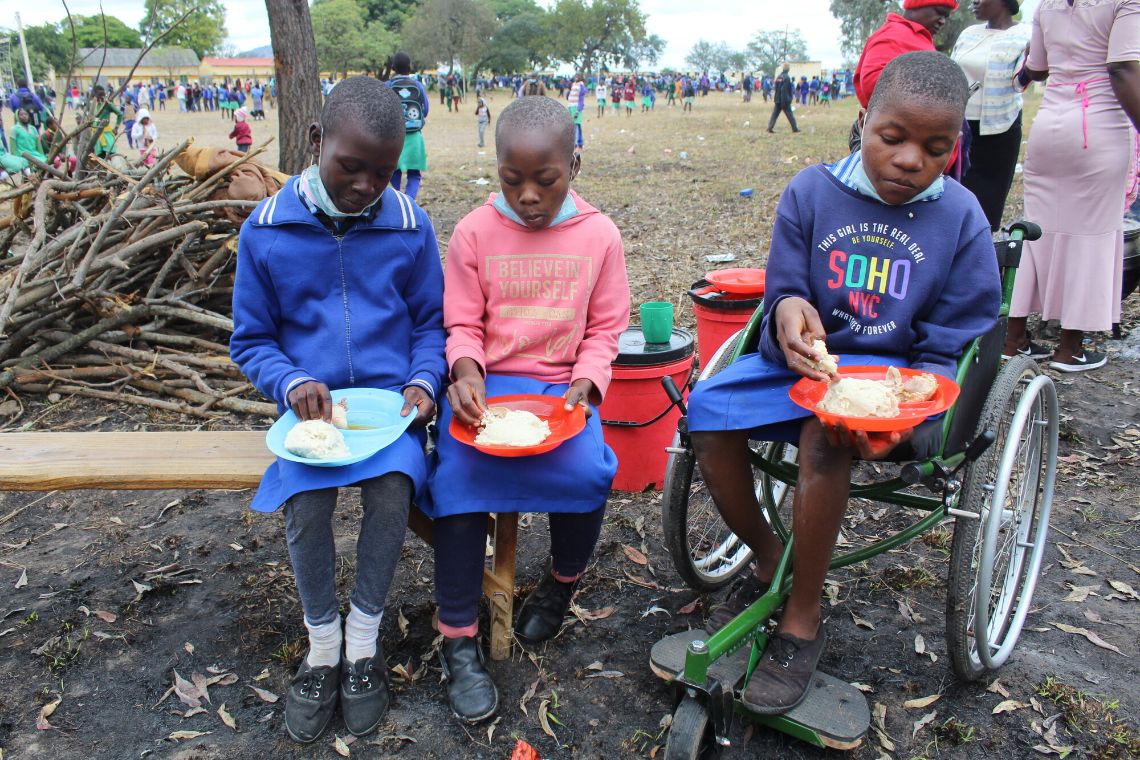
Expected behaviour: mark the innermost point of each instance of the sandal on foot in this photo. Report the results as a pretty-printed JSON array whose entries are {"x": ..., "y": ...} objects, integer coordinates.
[{"x": 781, "y": 679}]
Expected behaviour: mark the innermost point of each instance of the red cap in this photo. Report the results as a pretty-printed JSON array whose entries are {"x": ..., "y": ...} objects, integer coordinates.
[{"x": 910, "y": 5}]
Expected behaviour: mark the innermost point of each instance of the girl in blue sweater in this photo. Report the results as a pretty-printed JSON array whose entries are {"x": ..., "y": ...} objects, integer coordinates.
[
  {"x": 892, "y": 264},
  {"x": 339, "y": 284}
]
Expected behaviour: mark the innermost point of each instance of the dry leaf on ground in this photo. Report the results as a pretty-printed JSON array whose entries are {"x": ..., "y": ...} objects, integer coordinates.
[
  {"x": 226, "y": 717},
  {"x": 1090, "y": 635},
  {"x": 997, "y": 688},
  {"x": 1079, "y": 593},
  {"x": 178, "y": 736},
  {"x": 1008, "y": 705},
  {"x": 46, "y": 711},
  {"x": 186, "y": 691},
  {"x": 341, "y": 747},
  {"x": 23, "y": 579},
  {"x": 861, "y": 622},
  {"x": 1126, "y": 590},
  {"x": 923, "y": 721},
  {"x": 919, "y": 702},
  {"x": 634, "y": 555},
  {"x": 265, "y": 695},
  {"x": 544, "y": 718}
]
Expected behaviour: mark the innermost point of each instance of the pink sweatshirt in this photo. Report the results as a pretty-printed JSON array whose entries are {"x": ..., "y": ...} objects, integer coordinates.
[{"x": 547, "y": 304}]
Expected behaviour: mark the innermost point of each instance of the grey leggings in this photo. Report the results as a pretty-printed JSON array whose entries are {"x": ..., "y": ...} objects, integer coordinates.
[{"x": 308, "y": 531}]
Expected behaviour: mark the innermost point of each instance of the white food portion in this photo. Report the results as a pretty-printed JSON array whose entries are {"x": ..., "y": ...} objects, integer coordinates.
[
  {"x": 512, "y": 427},
  {"x": 918, "y": 388},
  {"x": 340, "y": 414},
  {"x": 829, "y": 364},
  {"x": 857, "y": 397},
  {"x": 316, "y": 439}
]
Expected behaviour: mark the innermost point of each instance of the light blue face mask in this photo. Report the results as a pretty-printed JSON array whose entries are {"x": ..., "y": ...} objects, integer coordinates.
[
  {"x": 314, "y": 190},
  {"x": 862, "y": 184},
  {"x": 567, "y": 211}
]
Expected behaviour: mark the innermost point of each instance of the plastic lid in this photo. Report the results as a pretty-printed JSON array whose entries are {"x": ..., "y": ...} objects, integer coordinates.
[
  {"x": 633, "y": 351},
  {"x": 712, "y": 297}
]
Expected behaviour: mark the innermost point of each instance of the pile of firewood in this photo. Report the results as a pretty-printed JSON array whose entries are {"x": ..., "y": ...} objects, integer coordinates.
[{"x": 116, "y": 285}]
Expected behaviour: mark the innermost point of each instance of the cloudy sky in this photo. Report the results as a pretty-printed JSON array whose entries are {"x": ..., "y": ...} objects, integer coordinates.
[{"x": 680, "y": 22}]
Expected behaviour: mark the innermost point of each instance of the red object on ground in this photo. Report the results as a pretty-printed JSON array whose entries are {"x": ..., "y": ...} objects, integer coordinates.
[
  {"x": 564, "y": 425},
  {"x": 719, "y": 315},
  {"x": 808, "y": 393},
  {"x": 524, "y": 751},
  {"x": 638, "y": 420}
]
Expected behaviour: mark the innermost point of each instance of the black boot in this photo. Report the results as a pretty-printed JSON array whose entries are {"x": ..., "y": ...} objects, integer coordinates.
[
  {"x": 541, "y": 615},
  {"x": 364, "y": 693},
  {"x": 470, "y": 690}
]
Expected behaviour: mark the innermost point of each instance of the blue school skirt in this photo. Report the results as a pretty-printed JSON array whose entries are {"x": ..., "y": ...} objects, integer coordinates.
[
  {"x": 752, "y": 394},
  {"x": 575, "y": 477},
  {"x": 285, "y": 479}
]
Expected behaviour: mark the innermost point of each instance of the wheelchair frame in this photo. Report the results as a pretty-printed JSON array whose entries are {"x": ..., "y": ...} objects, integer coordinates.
[{"x": 939, "y": 474}]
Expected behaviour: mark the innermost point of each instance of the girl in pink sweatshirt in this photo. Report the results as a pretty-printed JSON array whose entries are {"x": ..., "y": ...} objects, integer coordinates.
[{"x": 535, "y": 297}]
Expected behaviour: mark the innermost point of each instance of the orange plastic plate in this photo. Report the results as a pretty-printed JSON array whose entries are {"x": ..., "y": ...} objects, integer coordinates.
[
  {"x": 564, "y": 425},
  {"x": 808, "y": 393},
  {"x": 741, "y": 281}
]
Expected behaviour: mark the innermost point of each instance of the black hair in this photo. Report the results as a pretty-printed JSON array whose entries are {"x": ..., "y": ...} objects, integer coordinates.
[
  {"x": 371, "y": 103},
  {"x": 1013, "y": 6},
  {"x": 922, "y": 75},
  {"x": 402, "y": 63},
  {"x": 536, "y": 113},
  {"x": 21, "y": 82}
]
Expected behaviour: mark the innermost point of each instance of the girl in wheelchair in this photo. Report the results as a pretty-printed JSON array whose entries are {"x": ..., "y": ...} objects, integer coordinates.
[{"x": 892, "y": 264}]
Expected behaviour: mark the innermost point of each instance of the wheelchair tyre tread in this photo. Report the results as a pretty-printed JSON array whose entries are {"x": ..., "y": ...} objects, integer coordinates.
[
  {"x": 963, "y": 571},
  {"x": 690, "y": 734}
]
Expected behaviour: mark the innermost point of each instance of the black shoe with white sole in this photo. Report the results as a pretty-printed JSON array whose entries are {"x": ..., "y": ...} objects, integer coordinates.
[
  {"x": 1033, "y": 350},
  {"x": 1082, "y": 363}
]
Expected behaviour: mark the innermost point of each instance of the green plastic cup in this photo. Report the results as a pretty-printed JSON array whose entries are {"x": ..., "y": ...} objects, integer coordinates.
[{"x": 657, "y": 321}]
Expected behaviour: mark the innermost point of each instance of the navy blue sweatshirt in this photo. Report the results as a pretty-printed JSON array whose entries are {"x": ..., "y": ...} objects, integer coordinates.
[
  {"x": 917, "y": 281},
  {"x": 361, "y": 310}
]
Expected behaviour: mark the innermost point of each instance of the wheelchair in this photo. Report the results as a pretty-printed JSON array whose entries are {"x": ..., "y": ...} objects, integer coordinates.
[{"x": 994, "y": 476}]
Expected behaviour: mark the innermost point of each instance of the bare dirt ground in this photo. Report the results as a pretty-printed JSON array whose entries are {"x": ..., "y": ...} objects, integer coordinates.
[{"x": 107, "y": 595}]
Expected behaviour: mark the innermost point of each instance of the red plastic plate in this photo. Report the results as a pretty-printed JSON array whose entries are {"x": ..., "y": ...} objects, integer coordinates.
[
  {"x": 808, "y": 393},
  {"x": 564, "y": 425},
  {"x": 742, "y": 281}
]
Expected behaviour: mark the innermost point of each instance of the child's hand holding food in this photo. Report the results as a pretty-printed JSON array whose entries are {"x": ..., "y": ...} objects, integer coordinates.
[
  {"x": 798, "y": 327},
  {"x": 579, "y": 393},
  {"x": 311, "y": 401},
  {"x": 467, "y": 392}
]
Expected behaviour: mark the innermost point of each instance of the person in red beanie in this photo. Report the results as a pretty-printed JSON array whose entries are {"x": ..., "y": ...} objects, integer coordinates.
[{"x": 913, "y": 30}]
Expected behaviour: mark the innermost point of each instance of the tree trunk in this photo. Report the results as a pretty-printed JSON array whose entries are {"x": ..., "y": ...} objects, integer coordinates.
[{"x": 298, "y": 79}]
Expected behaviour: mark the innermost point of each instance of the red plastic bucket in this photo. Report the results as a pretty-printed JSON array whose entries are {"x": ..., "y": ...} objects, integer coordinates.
[
  {"x": 638, "y": 420},
  {"x": 719, "y": 315}
]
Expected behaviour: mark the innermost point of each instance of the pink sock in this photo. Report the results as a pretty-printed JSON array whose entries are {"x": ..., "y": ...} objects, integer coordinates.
[
  {"x": 566, "y": 578},
  {"x": 453, "y": 632}
]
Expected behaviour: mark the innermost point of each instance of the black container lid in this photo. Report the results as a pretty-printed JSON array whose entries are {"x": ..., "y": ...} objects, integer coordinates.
[{"x": 633, "y": 351}]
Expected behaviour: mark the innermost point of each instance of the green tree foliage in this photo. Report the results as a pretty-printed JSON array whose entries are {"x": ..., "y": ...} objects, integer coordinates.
[
  {"x": 519, "y": 44},
  {"x": 346, "y": 41},
  {"x": 203, "y": 31},
  {"x": 389, "y": 14},
  {"x": 505, "y": 10},
  {"x": 858, "y": 18},
  {"x": 89, "y": 32},
  {"x": 769, "y": 49},
  {"x": 959, "y": 20},
  {"x": 449, "y": 32},
  {"x": 49, "y": 47},
  {"x": 593, "y": 33},
  {"x": 708, "y": 56}
]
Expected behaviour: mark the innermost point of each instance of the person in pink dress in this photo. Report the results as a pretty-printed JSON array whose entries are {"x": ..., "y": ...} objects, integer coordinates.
[
  {"x": 535, "y": 297},
  {"x": 1081, "y": 151}
]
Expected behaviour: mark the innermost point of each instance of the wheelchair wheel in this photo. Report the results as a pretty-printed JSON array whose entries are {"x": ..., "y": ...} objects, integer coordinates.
[
  {"x": 706, "y": 553},
  {"x": 690, "y": 735},
  {"x": 995, "y": 557}
]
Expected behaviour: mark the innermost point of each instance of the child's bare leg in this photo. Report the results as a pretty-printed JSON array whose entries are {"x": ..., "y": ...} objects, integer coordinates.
[
  {"x": 821, "y": 499},
  {"x": 727, "y": 469}
]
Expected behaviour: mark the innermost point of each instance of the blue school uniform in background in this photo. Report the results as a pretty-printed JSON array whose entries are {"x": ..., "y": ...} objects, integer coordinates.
[
  {"x": 907, "y": 285},
  {"x": 364, "y": 310}
]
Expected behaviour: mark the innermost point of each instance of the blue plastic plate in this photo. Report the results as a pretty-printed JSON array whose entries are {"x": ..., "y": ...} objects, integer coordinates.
[{"x": 375, "y": 408}]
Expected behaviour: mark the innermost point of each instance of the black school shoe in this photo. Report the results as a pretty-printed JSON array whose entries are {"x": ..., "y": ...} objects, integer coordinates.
[
  {"x": 744, "y": 592},
  {"x": 364, "y": 693},
  {"x": 781, "y": 679},
  {"x": 310, "y": 702},
  {"x": 470, "y": 690},
  {"x": 542, "y": 613}
]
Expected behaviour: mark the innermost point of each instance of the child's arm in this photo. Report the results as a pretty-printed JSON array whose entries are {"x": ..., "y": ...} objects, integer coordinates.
[
  {"x": 254, "y": 346},
  {"x": 464, "y": 309},
  {"x": 606, "y": 316},
  {"x": 424, "y": 298},
  {"x": 234, "y": 131},
  {"x": 787, "y": 277},
  {"x": 967, "y": 307}
]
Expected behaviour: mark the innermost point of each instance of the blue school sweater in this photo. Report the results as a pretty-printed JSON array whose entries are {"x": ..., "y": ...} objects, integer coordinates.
[
  {"x": 917, "y": 281},
  {"x": 362, "y": 310}
]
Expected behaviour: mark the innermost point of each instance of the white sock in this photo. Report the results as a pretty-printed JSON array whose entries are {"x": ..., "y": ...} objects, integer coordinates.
[
  {"x": 360, "y": 633},
  {"x": 324, "y": 643}
]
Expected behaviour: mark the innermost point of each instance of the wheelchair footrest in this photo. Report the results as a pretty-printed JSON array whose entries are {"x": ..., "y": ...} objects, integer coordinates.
[
  {"x": 834, "y": 710},
  {"x": 834, "y": 714}
]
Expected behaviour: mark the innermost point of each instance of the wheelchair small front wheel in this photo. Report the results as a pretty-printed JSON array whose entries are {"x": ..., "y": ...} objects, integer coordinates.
[
  {"x": 690, "y": 735},
  {"x": 996, "y": 552}
]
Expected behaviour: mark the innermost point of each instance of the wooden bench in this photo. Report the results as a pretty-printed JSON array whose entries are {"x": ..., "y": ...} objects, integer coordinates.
[{"x": 222, "y": 460}]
